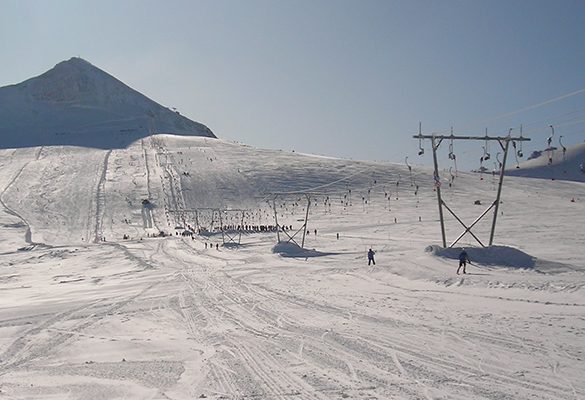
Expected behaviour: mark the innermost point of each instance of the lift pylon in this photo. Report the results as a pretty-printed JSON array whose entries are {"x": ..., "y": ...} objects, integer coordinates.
[
  {"x": 504, "y": 142},
  {"x": 280, "y": 228}
]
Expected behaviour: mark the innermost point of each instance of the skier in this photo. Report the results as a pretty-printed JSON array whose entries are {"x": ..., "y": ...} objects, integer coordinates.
[
  {"x": 371, "y": 257},
  {"x": 463, "y": 259}
]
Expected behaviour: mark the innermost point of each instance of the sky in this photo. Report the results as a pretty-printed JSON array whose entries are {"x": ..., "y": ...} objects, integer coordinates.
[{"x": 340, "y": 78}]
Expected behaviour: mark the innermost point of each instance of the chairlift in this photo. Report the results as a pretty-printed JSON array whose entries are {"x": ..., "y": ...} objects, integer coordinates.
[
  {"x": 564, "y": 148},
  {"x": 550, "y": 138},
  {"x": 451, "y": 153},
  {"x": 409, "y": 170},
  {"x": 516, "y": 154},
  {"x": 481, "y": 159},
  {"x": 519, "y": 151},
  {"x": 549, "y": 147},
  {"x": 498, "y": 160},
  {"x": 421, "y": 149},
  {"x": 486, "y": 153}
]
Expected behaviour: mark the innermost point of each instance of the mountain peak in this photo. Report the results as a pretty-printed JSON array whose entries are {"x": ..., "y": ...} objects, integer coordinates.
[
  {"x": 73, "y": 80},
  {"x": 77, "y": 103},
  {"x": 76, "y": 62}
]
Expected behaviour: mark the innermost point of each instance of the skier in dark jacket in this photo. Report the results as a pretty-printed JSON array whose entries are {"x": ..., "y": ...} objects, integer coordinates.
[
  {"x": 371, "y": 257},
  {"x": 463, "y": 259}
]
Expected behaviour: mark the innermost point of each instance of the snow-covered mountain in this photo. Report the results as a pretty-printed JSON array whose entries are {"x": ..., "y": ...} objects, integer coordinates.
[
  {"x": 76, "y": 103},
  {"x": 553, "y": 163},
  {"x": 96, "y": 303}
]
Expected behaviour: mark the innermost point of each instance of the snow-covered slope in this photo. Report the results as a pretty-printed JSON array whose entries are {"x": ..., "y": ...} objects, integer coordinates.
[
  {"x": 174, "y": 318},
  {"x": 554, "y": 164},
  {"x": 78, "y": 104}
]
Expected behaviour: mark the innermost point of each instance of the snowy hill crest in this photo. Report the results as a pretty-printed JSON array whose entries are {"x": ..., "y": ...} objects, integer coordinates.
[
  {"x": 553, "y": 163},
  {"x": 76, "y": 103}
]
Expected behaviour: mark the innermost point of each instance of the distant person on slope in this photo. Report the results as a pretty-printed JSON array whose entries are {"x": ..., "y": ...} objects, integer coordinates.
[
  {"x": 463, "y": 259},
  {"x": 371, "y": 257}
]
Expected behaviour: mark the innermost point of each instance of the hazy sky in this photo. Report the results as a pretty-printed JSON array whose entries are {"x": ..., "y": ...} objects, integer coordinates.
[{"x": 340, "y": 78}]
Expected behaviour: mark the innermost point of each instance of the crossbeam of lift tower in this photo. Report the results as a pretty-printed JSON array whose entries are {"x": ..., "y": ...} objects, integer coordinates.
[{"x": 504, "y": 142}]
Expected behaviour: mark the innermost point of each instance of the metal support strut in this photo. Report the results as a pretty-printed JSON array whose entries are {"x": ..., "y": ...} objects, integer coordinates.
[{"x": 436, "y": 140}]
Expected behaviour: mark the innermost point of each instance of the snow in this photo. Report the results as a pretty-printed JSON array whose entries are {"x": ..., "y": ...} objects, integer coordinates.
[
  {"x": 78, "y": 104},
  {"x": 493, "y": 255},
  {"x": 170, "y": 318},
  {"x": 551, "y": 163}
]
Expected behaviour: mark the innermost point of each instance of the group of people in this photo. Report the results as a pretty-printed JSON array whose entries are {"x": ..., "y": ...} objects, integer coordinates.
[{"x": 463, "y": 259}]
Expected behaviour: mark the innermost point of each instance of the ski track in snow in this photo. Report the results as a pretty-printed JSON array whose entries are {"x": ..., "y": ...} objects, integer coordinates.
[
  {"x": 101, "y": 200},
  {"x": 169, "y": 318}
]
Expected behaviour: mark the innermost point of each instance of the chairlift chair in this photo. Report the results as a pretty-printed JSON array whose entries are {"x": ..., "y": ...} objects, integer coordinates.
[
  {"x": 452, "y": 154},
  {"x": 486, "y": 153},
  {"x": 564, "y": 148},
  {"x": 519, "y": 151},
  {"x": 549, "y": 147},
  {"x": 421, "y": 149},
  {"x": 516, "y": 154}
]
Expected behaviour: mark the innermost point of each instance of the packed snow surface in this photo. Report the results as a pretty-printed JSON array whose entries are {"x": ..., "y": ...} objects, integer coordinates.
[{"x": 87, "y": 314}]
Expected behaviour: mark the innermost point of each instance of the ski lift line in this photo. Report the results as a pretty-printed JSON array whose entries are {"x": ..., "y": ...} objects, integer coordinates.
[
  {"x": 531, "y": 107},
  {"x": 559, "y": 117},
  {"x": 569, "y": 123},
  {"x": 313, "y": 189}
]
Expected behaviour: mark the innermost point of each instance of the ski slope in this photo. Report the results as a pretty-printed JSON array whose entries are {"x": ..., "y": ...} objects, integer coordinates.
[{"x": 88, "y": 314}]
